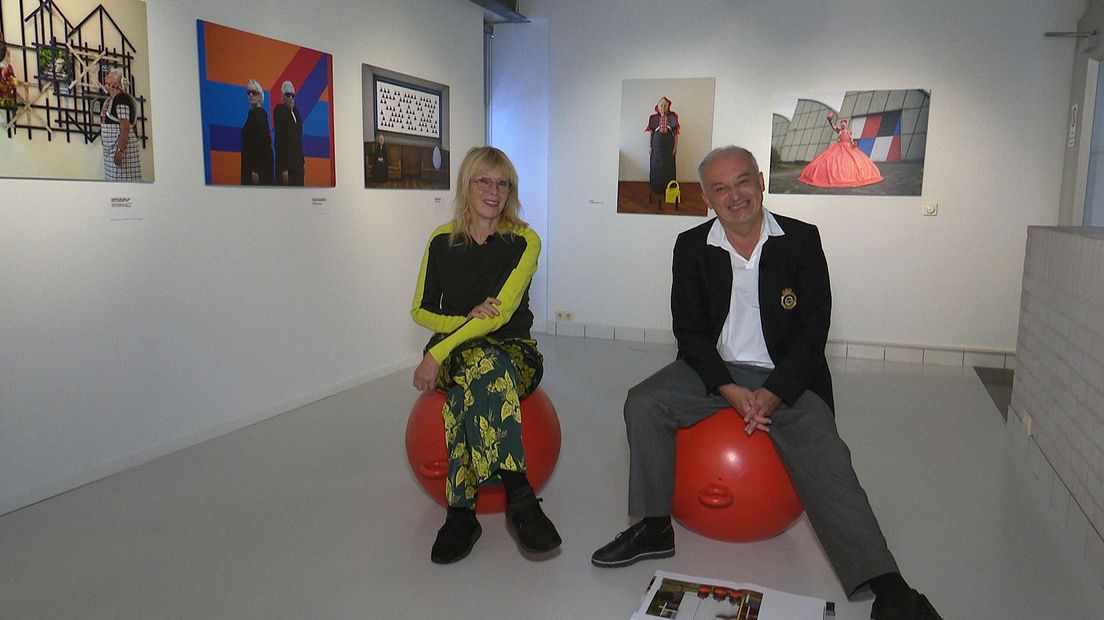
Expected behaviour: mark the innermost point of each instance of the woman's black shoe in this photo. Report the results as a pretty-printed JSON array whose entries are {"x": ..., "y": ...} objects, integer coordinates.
[
  {"x": 455, "y": 539},
  {"x": 534, "y": 531}
]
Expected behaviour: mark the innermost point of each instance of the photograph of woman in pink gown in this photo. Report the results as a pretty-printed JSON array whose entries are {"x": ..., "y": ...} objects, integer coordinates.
[{"x": 841, "y": 165}]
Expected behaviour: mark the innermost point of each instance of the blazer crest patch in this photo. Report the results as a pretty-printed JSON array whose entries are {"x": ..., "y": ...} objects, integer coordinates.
[{"x": 789, "y": 299}]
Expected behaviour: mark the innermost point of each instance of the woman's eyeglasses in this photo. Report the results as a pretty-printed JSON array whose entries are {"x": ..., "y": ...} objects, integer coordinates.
[{"x": 487, "y": 184}]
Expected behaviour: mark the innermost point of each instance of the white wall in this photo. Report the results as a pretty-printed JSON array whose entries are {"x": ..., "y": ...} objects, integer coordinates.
[
  {"x": 123, "y": 341},
  {"x": 997, "y": 129},
  {"x": 519, "y": 126}
]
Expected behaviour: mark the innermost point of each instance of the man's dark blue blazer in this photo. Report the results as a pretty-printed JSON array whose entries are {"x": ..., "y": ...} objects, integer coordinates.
[{"x": 795, "y": 306}]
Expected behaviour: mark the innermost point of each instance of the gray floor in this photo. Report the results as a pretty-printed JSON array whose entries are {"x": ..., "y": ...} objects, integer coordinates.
[{"x": 314, "y": 514}]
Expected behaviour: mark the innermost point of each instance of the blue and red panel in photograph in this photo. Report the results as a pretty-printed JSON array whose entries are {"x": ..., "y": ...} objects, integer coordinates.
[{"x": 879, "y": 135}]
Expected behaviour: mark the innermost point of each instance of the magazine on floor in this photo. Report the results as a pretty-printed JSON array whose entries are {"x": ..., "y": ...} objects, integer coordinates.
[{"x": 671, "y": 595}]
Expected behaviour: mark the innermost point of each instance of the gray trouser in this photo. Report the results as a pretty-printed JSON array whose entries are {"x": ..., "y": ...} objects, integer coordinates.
[{"x": 805, "y": 437}]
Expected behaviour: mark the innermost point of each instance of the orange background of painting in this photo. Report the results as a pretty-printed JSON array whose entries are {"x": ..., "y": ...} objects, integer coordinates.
[
  {"x": 226, "y": 170},
  {"x": 235, "y": 57}
]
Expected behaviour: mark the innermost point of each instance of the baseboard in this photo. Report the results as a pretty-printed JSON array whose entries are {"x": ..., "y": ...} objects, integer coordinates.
[
  {"x": 921, "y": 354},
  {"x": 890, "y": 352}
]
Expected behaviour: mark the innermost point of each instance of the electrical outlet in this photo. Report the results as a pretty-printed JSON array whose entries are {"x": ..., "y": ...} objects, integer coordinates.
[
  {"x": 931, "y": 208},
  {"x": 565, "y": 315}
]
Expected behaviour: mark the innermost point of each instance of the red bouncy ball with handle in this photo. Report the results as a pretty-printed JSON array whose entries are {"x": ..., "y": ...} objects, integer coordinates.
[
  {"x": 425, "y": 447},
  {"x": 731, "y": 486}
]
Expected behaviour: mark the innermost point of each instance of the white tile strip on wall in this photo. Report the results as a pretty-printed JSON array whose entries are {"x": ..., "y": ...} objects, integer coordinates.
[{"x": 854, "y": 350}]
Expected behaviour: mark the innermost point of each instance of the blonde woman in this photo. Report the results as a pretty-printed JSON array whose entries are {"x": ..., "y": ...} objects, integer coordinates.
[{"x": 473, "y": 293}]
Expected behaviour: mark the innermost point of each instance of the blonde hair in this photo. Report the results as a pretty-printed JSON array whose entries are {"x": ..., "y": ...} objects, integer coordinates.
[{"x": 479, "y": 161}]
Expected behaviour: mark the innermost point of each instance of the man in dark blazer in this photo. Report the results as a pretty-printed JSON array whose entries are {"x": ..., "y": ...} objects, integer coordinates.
[{"x": 751, "y": 306}]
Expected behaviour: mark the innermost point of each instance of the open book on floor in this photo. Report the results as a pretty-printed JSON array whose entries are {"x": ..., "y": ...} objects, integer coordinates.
[{"x": 683, "y": 597}]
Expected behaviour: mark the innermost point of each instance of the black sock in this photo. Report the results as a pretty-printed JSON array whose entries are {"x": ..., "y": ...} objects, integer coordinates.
[
  {"x": 654, "y": 525},
  {"x": 515, "y": 482},
  {"x": 460, "y": 512},
  {"x": 889, "y": 585}
]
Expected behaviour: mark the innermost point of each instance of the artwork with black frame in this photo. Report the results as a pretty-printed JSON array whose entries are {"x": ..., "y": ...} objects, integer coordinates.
[{"x": 406, "y": 144}]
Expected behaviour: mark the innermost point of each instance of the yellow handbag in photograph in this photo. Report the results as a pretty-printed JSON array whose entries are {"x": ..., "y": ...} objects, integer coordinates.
[{"x": 674, "y": 194}]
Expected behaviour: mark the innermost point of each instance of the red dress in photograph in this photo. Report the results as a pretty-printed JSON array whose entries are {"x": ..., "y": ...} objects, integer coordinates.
[{"x": 841, "y": 165}]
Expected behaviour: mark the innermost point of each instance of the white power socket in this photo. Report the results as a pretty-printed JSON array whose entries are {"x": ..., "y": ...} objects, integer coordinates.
[{"x": 565, "y": 315}]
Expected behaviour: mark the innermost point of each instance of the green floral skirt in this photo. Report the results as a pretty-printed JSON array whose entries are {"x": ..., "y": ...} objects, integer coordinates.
[{"x": 484, "y": 381}]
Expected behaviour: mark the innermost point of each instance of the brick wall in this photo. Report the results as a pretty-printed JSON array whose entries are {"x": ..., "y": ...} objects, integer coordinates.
[{"x": 1058, "y": 391}]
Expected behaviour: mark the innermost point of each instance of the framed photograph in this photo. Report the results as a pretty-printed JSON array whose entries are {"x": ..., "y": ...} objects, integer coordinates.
[
  {"x": 75, "y": 91},
  {"x": 666, "y": 130},
  {"x": 55, "y": 65},
  {"x": 406, "y": 143},
  {"x": 855, "y": 142},
  {"x": 266, "y": 108}
]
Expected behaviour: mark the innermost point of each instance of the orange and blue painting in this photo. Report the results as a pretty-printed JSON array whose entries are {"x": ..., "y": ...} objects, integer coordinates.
[{"x": 267, "y": 110}]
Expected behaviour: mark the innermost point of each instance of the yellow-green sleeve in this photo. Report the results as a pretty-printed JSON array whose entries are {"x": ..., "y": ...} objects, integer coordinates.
[
  {"x": 510, "y": 295},
  {"x": 440, "y": 323}
]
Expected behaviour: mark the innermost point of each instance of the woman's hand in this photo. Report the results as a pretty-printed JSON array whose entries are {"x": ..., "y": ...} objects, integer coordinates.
[
  {"x": 425, "y": 375},
  {"x": 486, "y": 310}
]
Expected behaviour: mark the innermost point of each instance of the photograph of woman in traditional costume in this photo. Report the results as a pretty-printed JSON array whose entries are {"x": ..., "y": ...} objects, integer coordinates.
[
  {"x": 841, "y": 165},
  {"x": 117, "y": 132},
  {"x": 664, "y": 129}
]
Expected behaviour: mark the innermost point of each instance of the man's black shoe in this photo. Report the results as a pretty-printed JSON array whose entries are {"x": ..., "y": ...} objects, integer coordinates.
[
  {"x": 911, "y": 606},
  {"x": 534, "y": 531},
  {"x": 455, "y": 539},
  {"x": 635, "y": 544}
]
